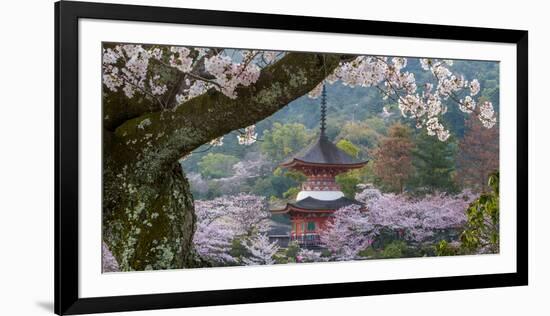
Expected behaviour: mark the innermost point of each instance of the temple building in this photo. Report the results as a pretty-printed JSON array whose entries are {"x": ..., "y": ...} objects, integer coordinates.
[{"x": 320, "y": 195}]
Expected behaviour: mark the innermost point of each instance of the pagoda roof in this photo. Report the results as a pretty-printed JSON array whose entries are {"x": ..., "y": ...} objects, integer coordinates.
[
  {"x": 312, "y": 204},
  {"x": 323, "y": 152}
]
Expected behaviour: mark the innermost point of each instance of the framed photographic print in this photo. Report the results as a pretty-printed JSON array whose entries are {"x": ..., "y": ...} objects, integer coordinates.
[{"x": 208, "y": 157}]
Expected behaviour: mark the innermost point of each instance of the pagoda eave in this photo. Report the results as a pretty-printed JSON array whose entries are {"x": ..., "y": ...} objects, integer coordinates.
[
  {"x": 297, "y": 163},
  {"x": 292, "y": 208},
  {"x": 312, "y": 205}
]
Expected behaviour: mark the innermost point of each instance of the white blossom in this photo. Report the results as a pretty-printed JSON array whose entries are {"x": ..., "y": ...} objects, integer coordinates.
[
  {"x": 425, "y": 63},
  {"x": 308, "y": 255},
  {"x": 180, "y": 59},
  {"x": 467, "y": 105},
  {"x": 217, "y": 142},
  {"x": 487, "y": 114},
  {"x": 474, "y": 87},
  {"x": 157, "y": 89},
  {"x": 261, "y": 251},
  {"x": 249, "y": 137}
]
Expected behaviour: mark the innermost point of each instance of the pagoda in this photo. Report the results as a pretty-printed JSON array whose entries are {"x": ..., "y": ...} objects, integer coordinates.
[{"x": 320, "y": 195}]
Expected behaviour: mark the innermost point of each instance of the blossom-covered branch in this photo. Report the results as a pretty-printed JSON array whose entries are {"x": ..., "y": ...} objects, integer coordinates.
[
  {"x": 425, "y": 107},
  {"x": 150, "y": 69}
]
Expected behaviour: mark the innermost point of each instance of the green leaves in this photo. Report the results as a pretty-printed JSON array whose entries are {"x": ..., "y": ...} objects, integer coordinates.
[
  {"x": 283, "y": 140},
  {"x": 481, "y": 233},
  {"x": 215, "y": 165}
]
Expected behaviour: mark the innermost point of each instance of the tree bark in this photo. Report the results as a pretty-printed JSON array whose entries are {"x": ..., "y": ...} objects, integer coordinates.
[{"x": 148, "y": 214}]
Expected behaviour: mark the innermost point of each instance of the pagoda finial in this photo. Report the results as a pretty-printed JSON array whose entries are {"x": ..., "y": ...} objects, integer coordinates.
[{"x": 323, "y": 111}]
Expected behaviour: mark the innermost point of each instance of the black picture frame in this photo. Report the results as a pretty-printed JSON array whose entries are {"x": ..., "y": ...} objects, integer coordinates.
[{"x": 67, "y": 15}]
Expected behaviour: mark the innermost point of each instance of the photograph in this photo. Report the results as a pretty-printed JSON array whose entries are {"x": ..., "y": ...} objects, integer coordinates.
[{"x": 218, "y": 157}]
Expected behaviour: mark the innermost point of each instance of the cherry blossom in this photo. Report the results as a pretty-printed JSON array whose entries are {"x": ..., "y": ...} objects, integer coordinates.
[
  {"x": 261, "y": 251},
  {"x": 487, "y": 114},
  {"x": 225, "y": 219},
  {"x": 417, "y": 219},
  {"x": 474, "y": 87},
  {"x": 309, "y": 255},
  {"x": 108, "y": 262},
  {"x": 217, "y": 141},
  {"x": 180, "y": 59},
  {"x": 349, "y": 232},
  {"x": 249, "y": 136}
]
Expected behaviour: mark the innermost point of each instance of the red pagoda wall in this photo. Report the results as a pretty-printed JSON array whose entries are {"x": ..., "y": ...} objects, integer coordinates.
[{"x": 299, "y": 230}]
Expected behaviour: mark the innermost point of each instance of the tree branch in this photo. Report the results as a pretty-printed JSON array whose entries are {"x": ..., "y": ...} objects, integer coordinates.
[{"x": 159, "y": 138}]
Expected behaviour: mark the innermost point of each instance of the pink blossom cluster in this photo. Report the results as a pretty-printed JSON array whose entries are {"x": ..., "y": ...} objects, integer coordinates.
[
  {"x": 417, "y": 219},
  {"x": 260, "y": 250},
  {"x": 108, "y": 261},
  {"x": 229, "y": 74},
  {"x": 222, "y": 220},
  {"x": 127, "y": 66},
  {"x": 309, "y": 255},
  {"x": 349, "y": 232},
  {"x": 249, "y": 136}
]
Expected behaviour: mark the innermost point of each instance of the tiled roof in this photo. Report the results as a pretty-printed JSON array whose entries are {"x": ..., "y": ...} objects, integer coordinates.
[{"x": 323, "y": 151}]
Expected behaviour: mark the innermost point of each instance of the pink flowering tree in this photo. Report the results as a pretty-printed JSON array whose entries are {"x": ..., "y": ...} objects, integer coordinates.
[
  {"x": 349, "y": 232},
  {"x": 162, "y": 102},
  {"x": 225, "y": 220},
  {"x": 213, "y": 237},
  {"x": 416, "y": 219},
  {"x": 309, "y": 255},
  {"x": 108, "y": 261},
  {"x": 260, "y": 250}
]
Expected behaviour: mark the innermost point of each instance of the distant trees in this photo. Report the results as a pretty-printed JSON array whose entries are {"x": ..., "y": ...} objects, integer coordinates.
[
  {"x": 285, "y": 139},
  {"x": 393, "y": 158},
  {"x": 434, "y": 163},
  {"x": 348, "y": 181},
  {"x": 360, "y": 133},
  {"x": 215, "y": 165},
  {"x": 478, "y": 154},
  {"x": 348, "y": 147}
]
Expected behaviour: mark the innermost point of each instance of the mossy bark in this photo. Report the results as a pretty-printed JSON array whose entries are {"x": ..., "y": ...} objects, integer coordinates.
[
  {"x": 148, "y": 221},
  {"x": 148, "y": 214}
]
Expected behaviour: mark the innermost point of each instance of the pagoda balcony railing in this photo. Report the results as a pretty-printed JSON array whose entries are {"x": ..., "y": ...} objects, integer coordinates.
[{"x": 307, "y": 239}]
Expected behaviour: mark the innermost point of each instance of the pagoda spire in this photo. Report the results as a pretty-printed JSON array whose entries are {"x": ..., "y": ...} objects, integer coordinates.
[{"x": 323, "y": 111}]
